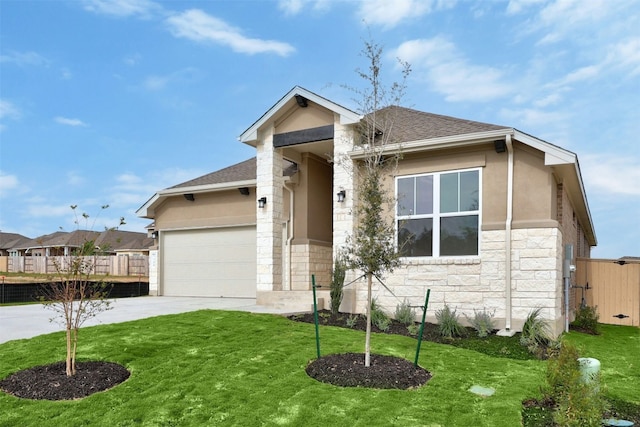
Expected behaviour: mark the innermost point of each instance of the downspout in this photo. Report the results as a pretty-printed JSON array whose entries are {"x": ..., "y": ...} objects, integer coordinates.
[
  {"x": 507, "y": 245},
  {"x": 290, "y": 237}
]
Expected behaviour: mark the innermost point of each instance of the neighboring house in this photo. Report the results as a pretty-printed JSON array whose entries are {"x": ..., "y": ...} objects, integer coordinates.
[
  {"x": 8, "y": 241},
  {"x": 62, "y": 243},
  {"x": 483, "y": 215}
]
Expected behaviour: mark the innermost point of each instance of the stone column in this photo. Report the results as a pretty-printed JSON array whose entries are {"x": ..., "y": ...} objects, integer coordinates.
[
  {"x": 269, "y": 218},
  {"x": 343, "y": 179}
]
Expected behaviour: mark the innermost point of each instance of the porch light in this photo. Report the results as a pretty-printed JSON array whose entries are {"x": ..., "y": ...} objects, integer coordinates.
[
  {"x": 190, "y": 197},
  {"x": 262, "y": 202},
  {"x": 341, "y": 195}
]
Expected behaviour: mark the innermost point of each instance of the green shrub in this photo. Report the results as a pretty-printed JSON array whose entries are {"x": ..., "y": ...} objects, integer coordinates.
[
  {"x": 336, "y": 292},
  {"x": 482, "y": 322},
  {"x": 579, "y": 403},
  {"x": 352, "y": 320},
  {"x": 405, "y": 314},
  {"x": 378, "y": 317},
  {"x": 587, "y": 319},
  {"x": 413, "y": 329},
  {"x": 535, "y": 331},
  {"x": 448, "y": 324}
]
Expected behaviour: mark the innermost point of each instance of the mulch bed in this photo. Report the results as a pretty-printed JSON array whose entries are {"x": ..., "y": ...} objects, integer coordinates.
[
  {"x": 348, "y": 370},
  {"x": 50, "y": 382}
]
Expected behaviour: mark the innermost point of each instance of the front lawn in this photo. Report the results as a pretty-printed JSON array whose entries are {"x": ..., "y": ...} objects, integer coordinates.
[{"x": 232, "y": 368}]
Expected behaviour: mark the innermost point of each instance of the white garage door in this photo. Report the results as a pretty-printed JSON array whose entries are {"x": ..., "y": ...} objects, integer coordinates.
[{"x": 218, "y": 262}]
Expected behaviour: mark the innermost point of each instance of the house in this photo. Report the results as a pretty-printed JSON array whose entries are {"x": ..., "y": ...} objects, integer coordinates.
[
  {"x": 8, "y": 241},
  {"x": 483, "y": 215},
  {"x": 62, "y": 243}
]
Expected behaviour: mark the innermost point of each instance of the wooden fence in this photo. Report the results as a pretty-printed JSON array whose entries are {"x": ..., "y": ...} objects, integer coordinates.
[
  {"x": 113, "y": 265},
  {"x": 614, "y": 288}
]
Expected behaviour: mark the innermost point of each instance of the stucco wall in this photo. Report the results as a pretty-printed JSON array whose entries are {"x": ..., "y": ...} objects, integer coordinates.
[{"x": 208, "y": 209}]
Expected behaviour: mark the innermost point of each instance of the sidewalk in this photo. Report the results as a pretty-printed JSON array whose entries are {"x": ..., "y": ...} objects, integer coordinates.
[{"x": 27, "y": 321}]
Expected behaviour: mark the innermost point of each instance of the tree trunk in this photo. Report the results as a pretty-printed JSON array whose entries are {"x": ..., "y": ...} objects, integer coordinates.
[
  {"x": 69, "y": 371},
  {"x": 367, "y": 342}
]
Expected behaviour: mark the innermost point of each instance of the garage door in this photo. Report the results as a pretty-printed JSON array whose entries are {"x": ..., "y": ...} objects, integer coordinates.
[{"x": 217, "y": 262}]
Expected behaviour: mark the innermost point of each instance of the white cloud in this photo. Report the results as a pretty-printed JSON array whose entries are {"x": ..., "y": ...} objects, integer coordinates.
[
  {"x": 533, "y": 118},
  {"x": 611, "y": 175},
  {"x": 294, "y": 7},
  {"x": 132, "y": 60},
  {"x": 7, "y": 183},
  {"x": 24, "y": 58},
  {"x": 75, "y": 179},
  {"x": 70, "y": 122},
  {"x": 155, "y": 83},
  {"x": 390, "y": 14},
  {"x": 625, "y": 54},
  {"x": 517, "y": 6},
  {"x": 450, "y": 73},
  {"x": 122, "y": 8},
  {"x": 199, "y": 26},
  {"x": 8, "y": 110}
]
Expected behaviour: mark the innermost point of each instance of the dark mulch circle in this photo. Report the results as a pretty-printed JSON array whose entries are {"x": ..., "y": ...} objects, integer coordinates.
[
  {"x": 50, "y": 382},
  {"x": 348, "y": 370}
]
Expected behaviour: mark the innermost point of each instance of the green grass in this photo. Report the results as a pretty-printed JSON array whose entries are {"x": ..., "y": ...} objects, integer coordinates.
[{"x": 231, "y": 368}]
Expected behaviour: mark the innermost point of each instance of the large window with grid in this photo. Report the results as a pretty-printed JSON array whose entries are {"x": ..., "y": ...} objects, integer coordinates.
[{"x": 438, "y": 214}]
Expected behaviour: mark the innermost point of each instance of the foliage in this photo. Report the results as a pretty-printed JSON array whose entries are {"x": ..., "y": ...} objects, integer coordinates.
[
  {"x": 72, "y": 295},
  {"x": 337, "y": 283},
  {"x": 448, "y": 322},
  {"x": 482, "y": 322},
  {"x": 579, "y": 403},
  {"x": 587, "y": 319},
  {"x": 405, "y": 313},
  {"x": 371, "y": 248},
  {"x": 413, "y": 329},
  {"x": 352, "y": 320},
  {"x": 379, "y": 317},
  {"x": 535, "y": 331}
]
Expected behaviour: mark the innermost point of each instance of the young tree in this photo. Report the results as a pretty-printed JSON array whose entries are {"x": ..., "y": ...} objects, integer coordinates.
[
  {"x": 72, "y": 295},
  {"x": 371, "y": 249}
]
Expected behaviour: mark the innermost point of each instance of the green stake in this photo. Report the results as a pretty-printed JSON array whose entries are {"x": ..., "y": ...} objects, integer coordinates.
[
  {"x": 424, "y": 314},
  {"x": 315, "y": 313}
]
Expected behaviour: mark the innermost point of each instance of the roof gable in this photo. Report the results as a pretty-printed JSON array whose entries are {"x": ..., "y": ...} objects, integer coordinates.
[{"x": 346, "y": 116}]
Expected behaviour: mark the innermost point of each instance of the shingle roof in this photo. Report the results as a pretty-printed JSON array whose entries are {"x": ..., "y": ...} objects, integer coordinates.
[
  {"x": 243, "y": 171},
  {"x": 11, "y": 240},
  {"x": 414, "y": 125},
  {"x": 117, "y": 240}
]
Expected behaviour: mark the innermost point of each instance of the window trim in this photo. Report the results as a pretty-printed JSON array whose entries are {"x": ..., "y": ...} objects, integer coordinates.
[{"x": 436, "y": 215}]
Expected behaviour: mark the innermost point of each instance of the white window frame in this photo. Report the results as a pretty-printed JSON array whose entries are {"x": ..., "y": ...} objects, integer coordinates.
[{"x": 437, "y": 215}]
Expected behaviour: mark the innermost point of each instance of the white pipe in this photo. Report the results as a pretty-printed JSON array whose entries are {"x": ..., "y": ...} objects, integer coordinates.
[
  {"x": 508, "y": 233},
  {"x": 290, "y": 237}
]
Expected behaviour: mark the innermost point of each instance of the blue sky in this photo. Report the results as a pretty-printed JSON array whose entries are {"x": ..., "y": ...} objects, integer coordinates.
[{"x": 107, "y": 102}]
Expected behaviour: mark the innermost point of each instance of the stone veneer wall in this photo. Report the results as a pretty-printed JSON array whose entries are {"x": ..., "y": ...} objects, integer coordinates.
[
  {"x": 479, "y": 282},
  {"x": 308, "y": 259}
]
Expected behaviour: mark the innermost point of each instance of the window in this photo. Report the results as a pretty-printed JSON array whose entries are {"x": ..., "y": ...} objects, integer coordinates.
[{"x": 438, "y": 214}]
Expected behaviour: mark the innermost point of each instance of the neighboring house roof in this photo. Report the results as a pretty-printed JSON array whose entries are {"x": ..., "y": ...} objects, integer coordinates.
[
  {"x": 119, "y": 240},
  {"x": 11, "y": 240},
  {"x": 115, "y": 239}
]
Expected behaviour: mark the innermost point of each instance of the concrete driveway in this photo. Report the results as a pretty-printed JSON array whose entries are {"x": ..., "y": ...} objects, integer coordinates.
[{"x": 27, "y": 321}]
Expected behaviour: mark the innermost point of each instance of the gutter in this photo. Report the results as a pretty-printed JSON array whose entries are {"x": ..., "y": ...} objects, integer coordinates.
[{"x": 507, "y": 244}]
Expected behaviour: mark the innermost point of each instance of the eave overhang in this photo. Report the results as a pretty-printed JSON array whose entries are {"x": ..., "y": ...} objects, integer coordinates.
[{"x": 148, "y": 209}]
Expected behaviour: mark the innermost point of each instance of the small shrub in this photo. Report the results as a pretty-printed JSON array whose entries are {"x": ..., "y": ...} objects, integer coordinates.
[
  {"x": 587, "y": 319},
  {"x": 336, "y": 292},
  {"x": 448, "y": 324},
  {"x": 482, "y": 322},
  {"x": 579, "y": 403},
  {"x": 352, "y": 321},
  {"x": 413, "y": 329},
  {"x": 535, "y": 332},
  {"x": 378, "y": 317},
  {"x": 405, "y": 313}
]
